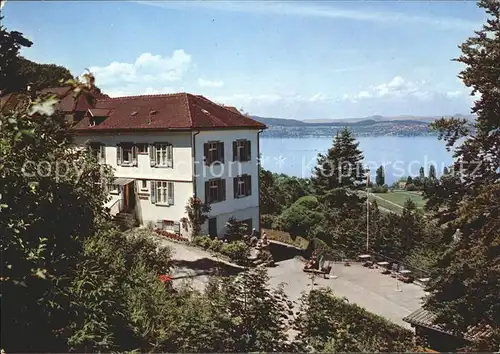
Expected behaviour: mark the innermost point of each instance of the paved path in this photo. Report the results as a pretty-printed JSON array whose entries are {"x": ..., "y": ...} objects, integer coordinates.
[
  {"x": 195, "y": 265},
  {"x": 368, "y": 288}
]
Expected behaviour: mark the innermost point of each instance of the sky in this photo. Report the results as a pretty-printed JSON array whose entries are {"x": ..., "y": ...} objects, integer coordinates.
[{"x": 287, "y": 59}]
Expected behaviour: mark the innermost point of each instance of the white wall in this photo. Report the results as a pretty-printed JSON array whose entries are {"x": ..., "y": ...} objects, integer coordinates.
[
  {"x": 182, "y": 168},
  {"x": 182, "y": 173},
  {"x": 241, "y": 208}
]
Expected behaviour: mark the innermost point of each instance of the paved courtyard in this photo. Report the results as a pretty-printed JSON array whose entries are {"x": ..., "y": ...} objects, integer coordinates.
[{"x": 369, "y": 288}]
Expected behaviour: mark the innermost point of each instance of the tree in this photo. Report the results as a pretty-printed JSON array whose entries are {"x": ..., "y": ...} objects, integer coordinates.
[
  {"x": 466, "y": 282},
  {"x": 409, "y": 180},
  {"x": 330, "y": 324},
  {"x": 10, "y": 62},
  {"x": 197, "y": 214},
  {"x": 432, "y": 172},
  {"x": 445, "y": 171},
  {"x": 235, "y": 230},
  {"x": 300, "y": 217},
  {"x": 340, "y": 167},
  {"x": 421, "y": 174},
  {"x": 380, "y": 177}
]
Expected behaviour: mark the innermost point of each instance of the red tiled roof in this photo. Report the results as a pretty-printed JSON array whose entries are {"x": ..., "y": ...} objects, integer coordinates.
[
  {"x": 181, "y": 111},
  {"x": 67, "y": 101},
  {"x": 233, "y": 109},
  {"x": 424, "y": 318}
]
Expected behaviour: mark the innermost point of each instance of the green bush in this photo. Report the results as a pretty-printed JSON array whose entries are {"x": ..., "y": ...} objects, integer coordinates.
[
  {"x": 216, "y": 245},
  {"x": 380, "y": 189},
  {"x": 300, "y": 217},
  {"x": 202, "y": 241},
  {"x": 237, "y": 251},
  {"x": 267, "y": 220},
  {"x": 411, "y": 187}
]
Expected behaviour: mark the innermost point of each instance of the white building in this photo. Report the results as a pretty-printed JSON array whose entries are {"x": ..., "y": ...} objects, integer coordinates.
[{"x": 167, "y": 148}]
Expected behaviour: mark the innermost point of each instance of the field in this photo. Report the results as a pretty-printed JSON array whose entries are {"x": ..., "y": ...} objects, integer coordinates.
[{"x": 395, "y": 200}]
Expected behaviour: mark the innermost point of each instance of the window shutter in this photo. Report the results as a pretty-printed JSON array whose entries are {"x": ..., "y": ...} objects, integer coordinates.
[
  {"x": 235, "y": 150},
  {"x": 249, "y": 150},
  {"x": 170, "y": 193},
  {"x": 103, "y": 153},
  {"x": 223, "y": 189},
  {"x": 221, "y": 152},
  {"x": 249, "y": 184},
  {"x": 170, "y": 156},
  {"x": 205, "y": 154},
  {"x": 118, "y": 155},
  {"x": 134, "y": 155},
  {"x": 152, "y": 155},
  {"x": 207, "y": 193},
  {"x": 235, "y": 187},
  {"x": 153, "y": 192}
]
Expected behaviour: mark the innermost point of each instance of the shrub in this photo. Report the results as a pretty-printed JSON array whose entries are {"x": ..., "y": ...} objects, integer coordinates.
[
  {"x": 266, "y": 220},
  {"x": 237, "y": 251},
  {"x": 215, "y": 245},
  {"x": 299, "y": 217},
  {"x": 235, "y": 230},
  {"x": 380, "y": 189},
  {"x": 202, "y": 241},
  {"x": 411, "y": 187}
]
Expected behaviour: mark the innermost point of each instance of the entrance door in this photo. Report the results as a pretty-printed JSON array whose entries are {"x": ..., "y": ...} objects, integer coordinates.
[
  {"x": 126, "y": 197},
  {"x": 212, "y": 227}
]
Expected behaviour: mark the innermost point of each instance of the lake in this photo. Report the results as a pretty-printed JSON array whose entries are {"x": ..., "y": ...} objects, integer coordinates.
[{"x": 401, "y": 156}]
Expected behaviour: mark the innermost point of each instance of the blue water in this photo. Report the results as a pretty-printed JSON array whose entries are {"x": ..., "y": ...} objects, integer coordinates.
[{"x": 401, "y": 156}]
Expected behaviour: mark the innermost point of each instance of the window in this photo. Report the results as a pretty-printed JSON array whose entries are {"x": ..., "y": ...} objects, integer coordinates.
[
  {"x": 142, "y": 149},
  {"x": 162, "y": 192},
  {"x": 144, "y": 185},
  {"x": 242, "y": 150},
  {"x": 161, "y": 155},
  {"x": 98, "y": 151},
  {"x": 215, "y": 190},
  {"x": 113, "y": 188},
  {"x": 126, "y": 155},
  {"x": 214, "y": 152},
  {"x": 242, "y": 186}
]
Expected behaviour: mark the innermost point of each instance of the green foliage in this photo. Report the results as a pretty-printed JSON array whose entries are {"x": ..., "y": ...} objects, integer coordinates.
[
  {"x": 432, "y": 172},
  {"x": 235, "y": 230},
  {"x": 238, "y": 251},
  {"x": 330, "y": 324},
  {"x": 380, "y": 176},
  {"x": 341, "y": 166},
  {"x": 197, "y": 214},
  {"x": 380, "y": 189},
  {"x": 266, "y": 221},
  {"x": 10, "y": 62},
  {"x": 279, "y": 191},
  {"x": 299, "y": 217},
  {"x": 466, "y": 281}
]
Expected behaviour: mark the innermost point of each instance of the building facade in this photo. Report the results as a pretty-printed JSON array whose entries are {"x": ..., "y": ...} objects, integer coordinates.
[{"x": 166, "y": 148}]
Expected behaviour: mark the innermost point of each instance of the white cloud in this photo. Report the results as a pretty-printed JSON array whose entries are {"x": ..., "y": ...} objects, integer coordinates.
[
  {"x": 208, "y": 83},
  {"x": 305, "y": 9},
  {"x": 146, "y": 69},
  {"x": 131, "y": 91}
]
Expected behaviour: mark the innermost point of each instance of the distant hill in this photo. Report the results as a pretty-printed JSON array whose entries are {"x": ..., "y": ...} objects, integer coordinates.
[{"x": 283, "y": 122}]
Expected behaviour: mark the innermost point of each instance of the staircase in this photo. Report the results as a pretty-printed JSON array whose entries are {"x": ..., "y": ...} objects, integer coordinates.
[{"x": 125, "y": 221}]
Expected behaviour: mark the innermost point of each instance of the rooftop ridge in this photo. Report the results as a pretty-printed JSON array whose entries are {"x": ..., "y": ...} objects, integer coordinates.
[{"x": 159, "y": 95}]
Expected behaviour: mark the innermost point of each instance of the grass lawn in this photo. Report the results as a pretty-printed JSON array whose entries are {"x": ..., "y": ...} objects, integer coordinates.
[
  {"x": 398, "y": 197},
  {"x": 286, "y": 238}
]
